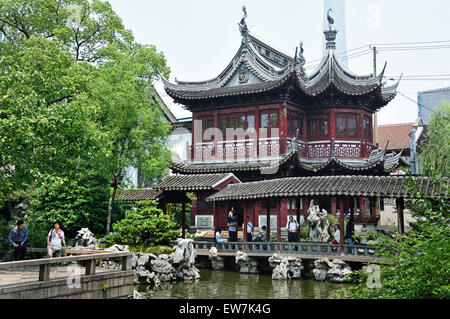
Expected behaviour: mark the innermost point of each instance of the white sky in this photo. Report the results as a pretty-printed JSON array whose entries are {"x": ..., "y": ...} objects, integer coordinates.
[{"x": 200, "y": 37}]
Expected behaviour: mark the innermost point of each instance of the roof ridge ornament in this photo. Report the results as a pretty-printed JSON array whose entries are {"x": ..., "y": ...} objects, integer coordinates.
[
  {"x": 243, "y": 25},
  {"x": 330, "y": 35}
]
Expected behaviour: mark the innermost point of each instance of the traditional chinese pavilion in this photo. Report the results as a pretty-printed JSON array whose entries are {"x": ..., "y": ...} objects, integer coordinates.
[{"x": 265, "y": 121}]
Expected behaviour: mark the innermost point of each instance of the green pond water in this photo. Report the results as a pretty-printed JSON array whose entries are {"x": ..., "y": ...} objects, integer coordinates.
[{"x": 215, "y": 284}]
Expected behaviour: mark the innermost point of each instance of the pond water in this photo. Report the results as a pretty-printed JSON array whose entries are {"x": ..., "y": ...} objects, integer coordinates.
[{"x": 234, "y": 285}]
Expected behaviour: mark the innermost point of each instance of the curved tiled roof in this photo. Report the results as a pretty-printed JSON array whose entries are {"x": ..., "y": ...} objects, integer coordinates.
[
  {"x": 379, "y": 186},
  {"x": 195, "y": 182},
  {"x": 135, "y": 195}
]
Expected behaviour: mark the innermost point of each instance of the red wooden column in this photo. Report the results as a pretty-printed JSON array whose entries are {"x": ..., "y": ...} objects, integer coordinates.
[
  {"x": 244, "y": 229},
  {"x": 305, "y": 205},
  {"x": 284, "y": 208},
  {"x": 183, "y": 220},
  {"x": 164, "y": 206},
  {"x": 297, "y": 208},
  {"x": 400, "y": 218},
  {"x": 268, "y": 219},
  {"x": 362, "y": 205},
  {"x": 341, "y": 223},
  {"x": 373, "y": 211},
  {"x": 215, "y": 216},
  {"x": 333, "y": 205}
]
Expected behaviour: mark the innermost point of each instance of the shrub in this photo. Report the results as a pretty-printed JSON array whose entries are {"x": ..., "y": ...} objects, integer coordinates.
[
  {"x": 76, "y": 203},
  {"x": 146, "y": 225},
  {"x": 5, "y": 246},
  {"x": 157, "y": 250}
]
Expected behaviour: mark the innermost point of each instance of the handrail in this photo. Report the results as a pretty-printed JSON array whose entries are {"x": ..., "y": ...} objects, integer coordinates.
[
  {"x": 308, "y": 248},
  {"x": 89, "y": 262}
]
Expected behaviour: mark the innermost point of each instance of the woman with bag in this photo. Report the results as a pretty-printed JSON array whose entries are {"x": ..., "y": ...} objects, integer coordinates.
[{"x": 55, "y": 239}]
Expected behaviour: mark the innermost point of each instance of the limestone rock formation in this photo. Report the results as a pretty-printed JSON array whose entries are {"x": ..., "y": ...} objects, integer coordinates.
[
  {"x": 183, "y": 259},
  {"x": 247, "y": 265},
  {"x": 217, "y": 262},
  {"x": 150, "y": 268},
  {"x": 285, "y": 267},
  {"x": 318, "y": 223},
  {"x": 334, "y": 271},
  {"x": 85, "y": 239}
]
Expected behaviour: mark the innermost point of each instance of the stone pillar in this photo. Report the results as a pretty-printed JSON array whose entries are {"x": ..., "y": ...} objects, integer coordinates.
[{"x": 400, "y": 218}]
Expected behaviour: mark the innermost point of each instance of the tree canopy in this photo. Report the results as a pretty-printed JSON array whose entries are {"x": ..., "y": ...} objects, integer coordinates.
[{"x": 76, "y": 98}]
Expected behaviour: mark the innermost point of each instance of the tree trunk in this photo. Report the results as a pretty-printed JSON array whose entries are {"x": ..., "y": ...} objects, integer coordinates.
[{"x": 110, "y": 202}]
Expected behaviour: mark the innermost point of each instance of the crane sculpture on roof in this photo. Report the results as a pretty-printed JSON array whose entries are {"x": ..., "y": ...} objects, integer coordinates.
[
  {"x": 243, "y": 25},
  {"x": 330, "y": 18}
]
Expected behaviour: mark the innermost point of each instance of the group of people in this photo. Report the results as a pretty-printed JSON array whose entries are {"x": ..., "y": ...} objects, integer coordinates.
[
  {"x": 18, "y": 237},
  {"x": 292, "y": 228}
]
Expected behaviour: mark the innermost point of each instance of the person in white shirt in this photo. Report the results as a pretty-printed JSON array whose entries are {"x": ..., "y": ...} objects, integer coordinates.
[
  {"x": 249, "y": 229},
  {"x": 337, "y": 235},
  {"x": 292, "y": 227},
  {"x": 55, "y": 239}
]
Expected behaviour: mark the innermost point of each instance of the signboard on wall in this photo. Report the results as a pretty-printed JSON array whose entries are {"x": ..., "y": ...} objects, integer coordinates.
[
  {"x": 262, "y": 221},
  {"x": 204, "y": 221}
]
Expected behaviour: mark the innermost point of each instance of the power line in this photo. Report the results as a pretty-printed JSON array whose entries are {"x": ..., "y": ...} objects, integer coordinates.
[{"x": 415, "y": 101}]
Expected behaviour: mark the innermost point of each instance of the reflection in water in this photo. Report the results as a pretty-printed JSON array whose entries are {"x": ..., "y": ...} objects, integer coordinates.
[{"x": 233, "y": 285}]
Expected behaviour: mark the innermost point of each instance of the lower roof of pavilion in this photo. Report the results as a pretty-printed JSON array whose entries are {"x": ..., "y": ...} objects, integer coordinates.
[
  {"x": 174, "y": 187},
  {"x": 368, "y": 186},
  {"x": 292, "y": 164}
]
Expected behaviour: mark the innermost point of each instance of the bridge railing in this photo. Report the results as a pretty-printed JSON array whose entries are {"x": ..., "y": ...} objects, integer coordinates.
[
  {"x": 88, "y": 260},
  {"x": 306, "y": 248}
]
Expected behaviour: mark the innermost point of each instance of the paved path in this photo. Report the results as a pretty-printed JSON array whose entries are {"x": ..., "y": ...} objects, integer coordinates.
[{"x": 31, "y": 274}]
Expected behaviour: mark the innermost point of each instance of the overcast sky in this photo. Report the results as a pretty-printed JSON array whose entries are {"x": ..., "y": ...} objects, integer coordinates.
[{"x": 200, "y": 37}]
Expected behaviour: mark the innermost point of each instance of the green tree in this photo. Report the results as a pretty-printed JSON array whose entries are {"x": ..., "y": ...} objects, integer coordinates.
[
  {"x": 76, "y": 94},
  {"x": 146, "y": 225},
  {"x": 46, "y": 117},
  {"x": 435, "y": 148},
  {"x": 137, "y": 131},
  {"x": 418, "y": 261}
]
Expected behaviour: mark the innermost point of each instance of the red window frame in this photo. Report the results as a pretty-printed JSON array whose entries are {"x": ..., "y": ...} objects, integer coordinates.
[
  {"x": 346, "y": 117},
  {"x": 270, "y": 114},
  {"x": 316, "y": 120}
]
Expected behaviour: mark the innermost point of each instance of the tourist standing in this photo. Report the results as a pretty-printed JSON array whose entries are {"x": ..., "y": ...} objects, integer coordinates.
[
  {"x": 55, "y": 239},
  {"x": 292, "y": 227},
  {"x": 232, "y": 228},
  {"x": 231, "y": 212},
  {"x": 249, "y": 229},
  {"x": 350, "y": 231},
  {"x": 337, "y": 235},
  {"x": 18, "y": 237}
]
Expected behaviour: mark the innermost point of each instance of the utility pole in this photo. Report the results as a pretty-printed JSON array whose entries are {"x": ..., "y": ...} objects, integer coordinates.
[
  {"x": 375, "y": 127},
  {"x": 375, "y": 116}
]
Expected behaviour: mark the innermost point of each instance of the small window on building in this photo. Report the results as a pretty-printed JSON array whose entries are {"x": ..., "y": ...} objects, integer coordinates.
[
  {"x": 367, "y": 128},
  {"x": 351, "y": 129},
  {"x": 340, "y": 126},
  {"x": 251, "y": 124},
  {"x": 312, "y": 130},
  {"x": 273, "y": 120},
  {"x": 323, "y": 127}
]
